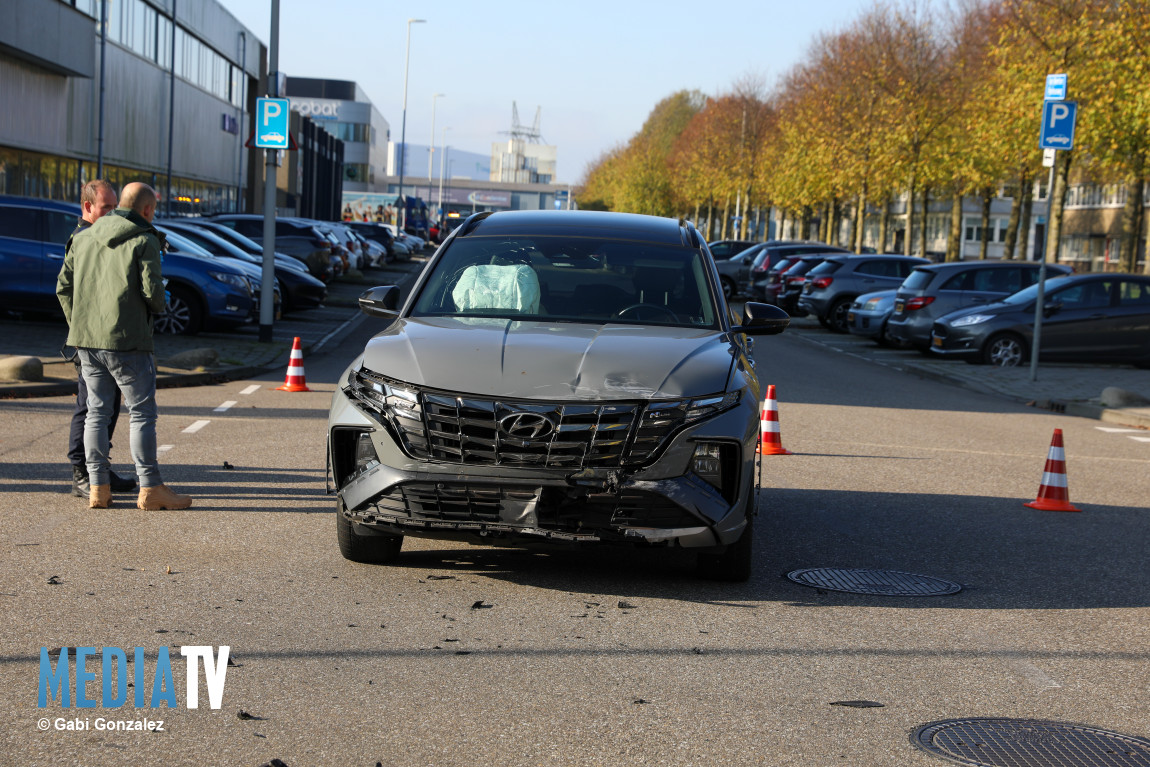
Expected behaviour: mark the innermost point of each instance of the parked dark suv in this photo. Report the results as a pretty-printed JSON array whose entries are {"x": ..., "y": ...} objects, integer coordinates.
[
  {"x": 937, "y": 289},
  {"x": 556, "y": 377},
  {"x": 754, "y": 280},
  {"x": 295, "y": 238},
  {"x": 832, "y": 286}
]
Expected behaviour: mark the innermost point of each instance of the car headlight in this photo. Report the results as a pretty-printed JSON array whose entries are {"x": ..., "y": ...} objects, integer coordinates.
[
  {"x": 872, "y": 304},
  {"x": 971, "y": 319},
  {"x": 690, "y": 410},
  {"x": 235, "y": 280}
]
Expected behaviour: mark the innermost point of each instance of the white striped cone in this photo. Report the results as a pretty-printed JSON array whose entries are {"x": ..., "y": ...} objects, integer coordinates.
[
  {"x": 296, "y": 380},
  {"x": 1053, "y": 493},
  {"x": 770, "y": 440}
]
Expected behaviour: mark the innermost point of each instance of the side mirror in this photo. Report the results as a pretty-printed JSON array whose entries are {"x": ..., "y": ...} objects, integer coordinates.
[
  {"x": 380, "y": 302},
  {"x": 762, "y": 320},
  {"x": 1052, "y": 308}
]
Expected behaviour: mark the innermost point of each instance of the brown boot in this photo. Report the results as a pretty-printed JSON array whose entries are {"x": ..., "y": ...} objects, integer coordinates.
[
  {"x": 100, "y": 497},
  {"x": 161, "y": 497}
]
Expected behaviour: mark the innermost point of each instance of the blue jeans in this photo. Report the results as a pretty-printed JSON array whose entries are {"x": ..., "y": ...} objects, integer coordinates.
[{"x": 134, "y": 374}]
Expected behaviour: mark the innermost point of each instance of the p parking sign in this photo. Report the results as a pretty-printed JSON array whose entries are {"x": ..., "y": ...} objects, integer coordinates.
[
  {"x": 272, "y": 123},
  {"x": 1058, "y": 118}
]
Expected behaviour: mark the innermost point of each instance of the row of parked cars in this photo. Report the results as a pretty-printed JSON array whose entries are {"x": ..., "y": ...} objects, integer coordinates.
[
  {"x": 980, "y": 311},
  {"x": 213, "y": 264}
]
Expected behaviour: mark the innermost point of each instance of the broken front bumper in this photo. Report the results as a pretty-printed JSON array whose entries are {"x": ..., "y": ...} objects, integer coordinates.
[{"x": 663, "y": 502}]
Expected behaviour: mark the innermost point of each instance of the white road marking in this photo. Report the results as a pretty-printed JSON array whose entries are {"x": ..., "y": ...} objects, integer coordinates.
[
  {"x": 1140, "y": 439},
  {"x": 251, "y": 389},
  {"x": 164, "y": 448},
  {"x": 224, "y": 407},
  {"x": 196, "y": 427},
  {"x": 1112, "y": 430}
]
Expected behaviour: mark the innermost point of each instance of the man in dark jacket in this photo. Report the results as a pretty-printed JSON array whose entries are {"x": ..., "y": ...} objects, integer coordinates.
[
  {"x": 97, "y": 198},
  {"x": 110, "y": 288}
]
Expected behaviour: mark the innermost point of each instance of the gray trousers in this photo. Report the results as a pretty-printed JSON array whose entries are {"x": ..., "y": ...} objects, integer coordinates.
[{"x": 134, "y": 374}]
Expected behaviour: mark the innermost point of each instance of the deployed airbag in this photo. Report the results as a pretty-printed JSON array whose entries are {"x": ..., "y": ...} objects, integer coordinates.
[{"x": 513, "y": 287}]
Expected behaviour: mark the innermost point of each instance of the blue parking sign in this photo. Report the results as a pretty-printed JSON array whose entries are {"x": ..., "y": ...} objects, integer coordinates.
[
  {"x": 272, "y": 123},
  {"x": 1058, "y": 118}
]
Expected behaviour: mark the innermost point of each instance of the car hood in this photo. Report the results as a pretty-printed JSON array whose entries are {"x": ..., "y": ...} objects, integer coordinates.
[{"x": 554, "y": 361}]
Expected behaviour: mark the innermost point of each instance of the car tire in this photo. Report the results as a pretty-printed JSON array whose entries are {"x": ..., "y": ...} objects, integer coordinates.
[
  {"x": 734, "y": 564},
  {"x": 365, "y": 549},
  {"x": 837, "y": 315},
  {"x": 184, "y": 316},
  {"x": 1005, "y": 350},
  {"x": 730, "y": 289},
  {"x": 885, "y": 339}
]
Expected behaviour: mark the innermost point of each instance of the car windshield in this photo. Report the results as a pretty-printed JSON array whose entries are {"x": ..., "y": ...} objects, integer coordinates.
[
  {"x": 569, "y": 279},
  {"x": 1027, "y": 295}
]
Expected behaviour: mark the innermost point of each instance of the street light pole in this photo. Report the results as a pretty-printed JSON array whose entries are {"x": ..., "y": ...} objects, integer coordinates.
[
  {"x": 442, "y": 143},
  {"x": 403, "y": 127},
  {"x": 431, "y": 148}
]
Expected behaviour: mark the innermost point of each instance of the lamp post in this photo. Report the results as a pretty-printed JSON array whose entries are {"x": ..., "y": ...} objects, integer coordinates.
[
  {"x": 442, "y": 143},
  {"x": 403, "y": 126},
  {"x": 431, "y": 147}
]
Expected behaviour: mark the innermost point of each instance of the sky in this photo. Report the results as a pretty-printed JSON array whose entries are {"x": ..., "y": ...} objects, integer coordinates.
[{"x": 593, "y": 69}]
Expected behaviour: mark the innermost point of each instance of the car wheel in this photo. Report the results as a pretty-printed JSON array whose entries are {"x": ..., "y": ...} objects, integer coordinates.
[
  {"x": 884, "y": 337},
  {"x": 729, "y": 288},
  {"x": 183, "y": 317},
  {"x": 1004, "y": 350},
  {"x": 734, "y": 564},
  {"x": 837, "y": 315},
  {"x": 366, "y": 549}
]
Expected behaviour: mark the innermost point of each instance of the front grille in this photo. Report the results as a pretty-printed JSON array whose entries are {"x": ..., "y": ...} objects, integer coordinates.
[{"x": 482, "y": 431}]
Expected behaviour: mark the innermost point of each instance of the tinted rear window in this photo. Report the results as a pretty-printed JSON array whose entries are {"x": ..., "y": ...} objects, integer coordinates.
[
  {"x": 19, "y": 222},
  {"x": 919, "y": 279},
  {"x": 826, "y": 267}
]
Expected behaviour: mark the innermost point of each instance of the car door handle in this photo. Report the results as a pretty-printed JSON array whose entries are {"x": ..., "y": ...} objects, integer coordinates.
[{"x": 57, "y": 256}]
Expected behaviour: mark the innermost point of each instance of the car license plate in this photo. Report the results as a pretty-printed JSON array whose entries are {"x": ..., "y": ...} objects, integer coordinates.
[{"x": 898, "y": 306}]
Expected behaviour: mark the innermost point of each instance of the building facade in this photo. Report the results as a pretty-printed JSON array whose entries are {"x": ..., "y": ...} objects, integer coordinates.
[
  {"x": 174, "y": 82},
  {"x": 345, "y": 111}
]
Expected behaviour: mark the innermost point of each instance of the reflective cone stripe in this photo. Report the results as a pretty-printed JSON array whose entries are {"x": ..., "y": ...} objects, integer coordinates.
[
  {"x": 296, "y": 380},
  {"x": 770, "y": 442},
  {"x": 1054, "y": 492}
]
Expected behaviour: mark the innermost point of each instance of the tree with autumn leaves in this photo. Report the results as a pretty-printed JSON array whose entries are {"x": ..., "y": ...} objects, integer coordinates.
[{"x": 907, "y": 104}]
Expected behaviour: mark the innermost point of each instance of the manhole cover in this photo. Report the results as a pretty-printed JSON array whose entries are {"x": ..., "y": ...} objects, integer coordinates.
[
  {"x": 887, "y": 583},
  {"x": 1030, "y": 743}
]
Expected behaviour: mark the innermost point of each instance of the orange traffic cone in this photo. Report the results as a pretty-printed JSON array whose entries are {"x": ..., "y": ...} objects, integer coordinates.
[
  {"x": 296, "y": 381},
  {"x": 770, "y": 442},
  {"x": 1053, "y": 493}
]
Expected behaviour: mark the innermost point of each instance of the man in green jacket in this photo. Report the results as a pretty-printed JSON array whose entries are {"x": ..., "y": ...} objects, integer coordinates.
[{"x": 110, "y": 287}]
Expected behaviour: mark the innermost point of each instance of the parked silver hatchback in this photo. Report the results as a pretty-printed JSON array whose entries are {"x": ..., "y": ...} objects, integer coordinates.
[{"x": 937, "y": 289}]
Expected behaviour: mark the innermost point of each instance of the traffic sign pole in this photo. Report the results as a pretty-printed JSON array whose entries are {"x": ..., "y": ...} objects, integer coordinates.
[{"x": 267, "y": 291}]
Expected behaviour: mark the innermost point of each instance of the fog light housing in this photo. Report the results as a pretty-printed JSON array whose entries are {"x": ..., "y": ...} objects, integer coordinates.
[
  {"x": 716, "y": 463},
  {"x": 365, "y": 454}
]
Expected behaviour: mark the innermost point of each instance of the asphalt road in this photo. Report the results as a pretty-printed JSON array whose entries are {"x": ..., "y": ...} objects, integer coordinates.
[{"x": 465, "y": 655}]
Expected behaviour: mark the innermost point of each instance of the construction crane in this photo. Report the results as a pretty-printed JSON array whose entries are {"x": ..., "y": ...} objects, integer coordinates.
[{"x": 520, "y": 131}]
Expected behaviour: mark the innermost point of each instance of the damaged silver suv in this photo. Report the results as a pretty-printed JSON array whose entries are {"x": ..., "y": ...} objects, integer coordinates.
[{"x": 555, "y": 377}]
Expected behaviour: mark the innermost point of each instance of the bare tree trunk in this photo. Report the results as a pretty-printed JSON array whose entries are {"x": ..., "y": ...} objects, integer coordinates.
[
  {"x": 954, "y": 238},
  {"x": 833, "y": 222},
  {"x": 1057, "y": 200},
  {"x": 1132, "y": 220},
  {"x": 805, "y": 223},
  {"x": 984, "y": 224},
  {"x": 726, "y": 219},
  {"x": 780, "y": 229},
  {"x": 1024, "y": 225},
  {"x": 695, "y": 220},
  {"x": 907, "y": 240},
  {"x": 710, "y": 218},
  {"x": 922, "y": 225},
  {"x": 1146, "y": 250},
  {"x": 1012, "y": 225},
  {"x": 883, "y": 224},
  {"x": 859, "y": 238}
]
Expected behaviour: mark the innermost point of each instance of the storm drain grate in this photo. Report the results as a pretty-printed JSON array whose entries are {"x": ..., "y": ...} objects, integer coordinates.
[
  {"x": 1030, "y": 743},
  {"x": 887, "y": 583}
]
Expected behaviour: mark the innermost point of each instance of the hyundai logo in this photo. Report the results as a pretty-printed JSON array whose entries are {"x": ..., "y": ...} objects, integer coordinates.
[{"x": 526, "y": 426}]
